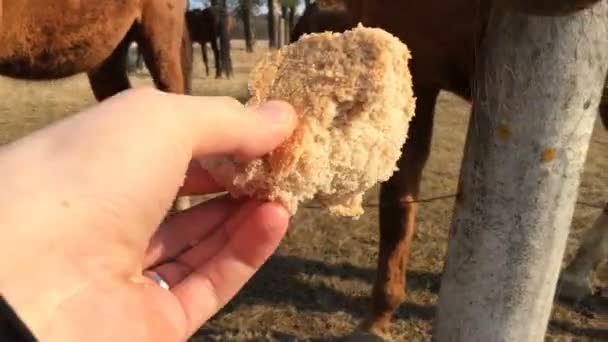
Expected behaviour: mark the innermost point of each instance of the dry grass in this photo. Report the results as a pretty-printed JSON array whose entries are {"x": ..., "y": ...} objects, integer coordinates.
[{"x": 316, "y": 287}]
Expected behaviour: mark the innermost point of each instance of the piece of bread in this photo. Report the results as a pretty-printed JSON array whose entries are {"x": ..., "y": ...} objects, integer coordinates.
[{"x": 353, "y": 95}]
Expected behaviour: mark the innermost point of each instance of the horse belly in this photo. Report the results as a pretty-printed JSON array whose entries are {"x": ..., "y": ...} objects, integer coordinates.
[
  {"x": 441, "y": 34},
  {"x": 51, "y": 63},
  {"x": 51, "y": 44}
]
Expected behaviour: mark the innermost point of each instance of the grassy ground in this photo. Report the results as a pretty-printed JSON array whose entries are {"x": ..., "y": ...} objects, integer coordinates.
[{"x": 316, "y": 287}]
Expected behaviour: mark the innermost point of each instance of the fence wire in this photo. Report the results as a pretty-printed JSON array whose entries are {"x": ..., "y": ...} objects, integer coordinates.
[{"x": 444, "y": 197}]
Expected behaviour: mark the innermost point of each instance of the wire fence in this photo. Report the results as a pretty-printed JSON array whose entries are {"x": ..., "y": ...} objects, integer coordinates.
[{"x": 600, "y": 206}]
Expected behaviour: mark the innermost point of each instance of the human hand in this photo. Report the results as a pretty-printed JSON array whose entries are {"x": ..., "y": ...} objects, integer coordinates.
[{"x": 82, "y": 210}]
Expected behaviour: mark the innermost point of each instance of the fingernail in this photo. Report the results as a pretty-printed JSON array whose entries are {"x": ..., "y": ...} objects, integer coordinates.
[{"x": 276, "y": 111}]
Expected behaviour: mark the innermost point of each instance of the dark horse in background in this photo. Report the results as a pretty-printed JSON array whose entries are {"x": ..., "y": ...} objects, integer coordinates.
[
  {"x": 56, "y": 38},
  {"x": 204, "y": 26},
  {"x": 443, "y": 36}
]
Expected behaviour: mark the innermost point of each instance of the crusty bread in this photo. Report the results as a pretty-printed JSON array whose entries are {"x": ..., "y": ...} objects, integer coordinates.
[{"x": 353, "y": 95}]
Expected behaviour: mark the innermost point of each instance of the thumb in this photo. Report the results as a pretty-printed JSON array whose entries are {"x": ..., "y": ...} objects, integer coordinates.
[{"x": 230, "y": 128}]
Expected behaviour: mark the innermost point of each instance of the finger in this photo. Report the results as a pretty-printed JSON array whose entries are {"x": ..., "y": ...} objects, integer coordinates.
[
  {"x": 175, "y": 271},
  {"x": 212, "y": 285},
  {"x": 187, "y": 227},
  {"x": 209, "y": 246},
  {"x": 198, "y": 182}
]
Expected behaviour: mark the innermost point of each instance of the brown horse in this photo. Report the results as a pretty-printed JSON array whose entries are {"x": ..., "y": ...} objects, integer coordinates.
[
  {"x": 443, "y": 36},
  {"x": 53, "y": 39},
  {"x": 204, "y": 27}
]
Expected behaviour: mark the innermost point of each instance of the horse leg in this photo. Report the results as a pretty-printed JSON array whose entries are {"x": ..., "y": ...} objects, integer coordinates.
[
  {"x": 187, "y": 56},
  {"x": 162, "y": 32},
  {"x": 110, "y": 77},
  {"x": 139, "y": 62},
  {"x": 162, "y": 36},
  {"x": 604, "y": 106},
  {"x": 216, "y": 56},
  {"x": 205, "y": 58},
  {"x": 574, "y": 280},
  {"x": 397, "y": 214}
]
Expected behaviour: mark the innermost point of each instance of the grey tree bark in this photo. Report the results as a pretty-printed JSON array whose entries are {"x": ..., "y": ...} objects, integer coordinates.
[{"x": 537, "y": 89}]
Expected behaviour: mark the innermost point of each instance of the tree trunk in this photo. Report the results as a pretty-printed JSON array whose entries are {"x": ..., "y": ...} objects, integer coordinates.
[
  {"x": 291, "y": 21},
  {"x": 307, "y": 3},
  {"x": 225, "y": 41},
  {"x": 281, "y": 32},
  {"x": 537, "y": 88},
  {"x": 248, "y": 30},
  {"x": 271, "y": 23},
  {"x": 283, "y": 23}
]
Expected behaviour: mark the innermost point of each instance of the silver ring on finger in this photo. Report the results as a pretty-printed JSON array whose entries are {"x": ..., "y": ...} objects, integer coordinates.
[{"x": 157, "y": 279}]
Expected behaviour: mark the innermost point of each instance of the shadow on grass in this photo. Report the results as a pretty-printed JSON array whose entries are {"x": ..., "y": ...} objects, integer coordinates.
[
  {"x": 277, "y": 284},
  {"x": 216, "y": 334},
  {"x": 556, "y": 326},
  {"x": 590, "y": 307}
]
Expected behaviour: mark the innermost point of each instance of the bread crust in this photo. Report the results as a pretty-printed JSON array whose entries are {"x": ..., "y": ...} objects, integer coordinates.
[{"x": 353, "y": 95}]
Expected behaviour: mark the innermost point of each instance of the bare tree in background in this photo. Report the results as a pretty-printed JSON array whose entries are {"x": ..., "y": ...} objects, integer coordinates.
[
  {"x": 272, "y": 12},
  {"x": 284, "y": 22},
  {"x": 245, "y": 7},
  {"x": 288, "y": 13},
  {"x": 291, "y": 19}
]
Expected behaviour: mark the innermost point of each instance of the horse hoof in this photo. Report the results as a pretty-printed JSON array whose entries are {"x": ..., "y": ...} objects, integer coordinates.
[{"x": 573, "y": 289}]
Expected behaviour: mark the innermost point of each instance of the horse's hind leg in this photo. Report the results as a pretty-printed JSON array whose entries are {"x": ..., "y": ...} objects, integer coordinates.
[
  {"x": 161, "y": 38},
  {"x": 187, "y": 55},
  {"x": 139, "y": 62},
  {"x": 397, "y": 214},
  {"x": 593, "y": 250},
  {"x": 216, "y": 57},
  {"x": 205, "y": 57},
  {"x": 111, "y": 77}
]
